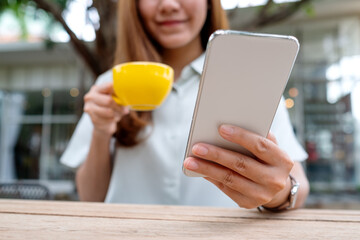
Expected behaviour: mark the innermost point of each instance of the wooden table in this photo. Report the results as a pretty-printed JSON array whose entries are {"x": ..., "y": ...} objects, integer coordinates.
[{"x": 78, "y": 220}]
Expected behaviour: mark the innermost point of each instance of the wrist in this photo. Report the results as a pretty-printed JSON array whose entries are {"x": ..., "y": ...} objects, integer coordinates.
[
  {"x": 290, "y": 201},
  {"x": 281, "y": 197},
  {"x": 101, "y": 135},
  {"x": 99, "y": 152}
]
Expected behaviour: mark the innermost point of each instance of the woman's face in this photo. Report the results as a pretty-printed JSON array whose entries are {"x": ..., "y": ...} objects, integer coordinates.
[{"x": 173, "y": 23}]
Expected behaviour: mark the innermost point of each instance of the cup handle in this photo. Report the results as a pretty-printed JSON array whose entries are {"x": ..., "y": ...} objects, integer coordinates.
[{"x": 117, "y": 99}]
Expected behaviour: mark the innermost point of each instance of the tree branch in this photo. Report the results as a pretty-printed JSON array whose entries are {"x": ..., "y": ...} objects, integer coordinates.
[
  {"x": 106, "y": 33},
  {"x": 264, "y": 17},
  {"x": 265, "y": 8},
  {"x": 79, "y": 45}
]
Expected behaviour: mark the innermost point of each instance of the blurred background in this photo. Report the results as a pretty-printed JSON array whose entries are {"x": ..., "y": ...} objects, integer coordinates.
[{"x": 51, "y": 51}]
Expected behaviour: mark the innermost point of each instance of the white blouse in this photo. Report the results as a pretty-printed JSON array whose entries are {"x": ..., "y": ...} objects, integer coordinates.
[{"x": 151, "y": 172}]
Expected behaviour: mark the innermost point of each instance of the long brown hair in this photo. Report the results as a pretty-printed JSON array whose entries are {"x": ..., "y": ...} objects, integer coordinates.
[{"x": 134, "y": 44}]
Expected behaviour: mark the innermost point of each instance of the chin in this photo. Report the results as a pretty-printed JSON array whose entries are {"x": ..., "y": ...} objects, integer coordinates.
[{"x": 174, "y": 42}]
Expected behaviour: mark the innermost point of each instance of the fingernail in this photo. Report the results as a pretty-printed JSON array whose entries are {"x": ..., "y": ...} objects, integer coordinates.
[
  {"x": 200, "y": 150},
  {"x": 191, "y": 164},
  {"x": 226, "y": 129}
]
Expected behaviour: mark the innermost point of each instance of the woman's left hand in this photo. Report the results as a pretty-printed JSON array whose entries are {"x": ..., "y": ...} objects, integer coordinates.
[{"x": 249, "y": 181}]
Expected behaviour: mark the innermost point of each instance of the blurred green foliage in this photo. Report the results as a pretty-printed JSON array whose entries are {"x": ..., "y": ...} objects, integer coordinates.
[{"x": 20, "y": 8}]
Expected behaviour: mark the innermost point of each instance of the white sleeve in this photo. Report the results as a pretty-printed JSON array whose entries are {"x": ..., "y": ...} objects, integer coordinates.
[
  {"x": 283, "y": 131},
  {"x": 79, "y": 144}
]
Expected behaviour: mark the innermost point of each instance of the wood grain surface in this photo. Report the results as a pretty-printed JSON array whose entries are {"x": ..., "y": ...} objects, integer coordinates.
[{"x": 21, "y": 219}]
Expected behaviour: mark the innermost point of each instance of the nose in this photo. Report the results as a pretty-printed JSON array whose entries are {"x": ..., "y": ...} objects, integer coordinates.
[{"x": 169, "y": 6}]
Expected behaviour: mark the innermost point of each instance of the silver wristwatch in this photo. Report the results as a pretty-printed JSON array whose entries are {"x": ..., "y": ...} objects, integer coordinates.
[{"x": 293, "y": 192}]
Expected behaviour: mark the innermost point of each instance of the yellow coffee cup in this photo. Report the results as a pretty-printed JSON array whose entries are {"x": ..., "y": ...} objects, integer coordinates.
[{"x": 142, "y": 86}]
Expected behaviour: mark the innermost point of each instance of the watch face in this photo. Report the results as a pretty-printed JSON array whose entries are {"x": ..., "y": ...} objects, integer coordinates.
[
  {"x": 294, "y": 189},
  {"x": 293, "y": 192}
]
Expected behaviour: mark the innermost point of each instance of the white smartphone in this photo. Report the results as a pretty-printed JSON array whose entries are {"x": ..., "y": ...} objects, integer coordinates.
[{"x": 243, "y": 79}]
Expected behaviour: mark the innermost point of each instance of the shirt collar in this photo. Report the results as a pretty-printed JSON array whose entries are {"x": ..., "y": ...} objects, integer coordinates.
[
  {"x": 194, "y": 68},
  {"x": 198, "y": 63}
]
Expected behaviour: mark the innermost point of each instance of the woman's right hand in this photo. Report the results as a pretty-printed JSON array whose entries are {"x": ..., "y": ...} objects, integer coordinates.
[{"x": 103, "y": 110}]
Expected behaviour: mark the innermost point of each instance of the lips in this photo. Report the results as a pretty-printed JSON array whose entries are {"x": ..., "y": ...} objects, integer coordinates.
[{"x": 171, "y": 22}]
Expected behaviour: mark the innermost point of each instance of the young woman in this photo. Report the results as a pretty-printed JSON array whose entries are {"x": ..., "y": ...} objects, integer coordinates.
[{"x": 136, "y": 157}]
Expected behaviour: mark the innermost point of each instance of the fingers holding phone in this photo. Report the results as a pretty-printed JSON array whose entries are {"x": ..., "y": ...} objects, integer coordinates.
[{"x": 249, "y": 180}]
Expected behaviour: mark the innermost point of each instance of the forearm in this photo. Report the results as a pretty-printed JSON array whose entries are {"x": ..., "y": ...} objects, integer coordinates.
[{"x": 93, "y": 176}]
